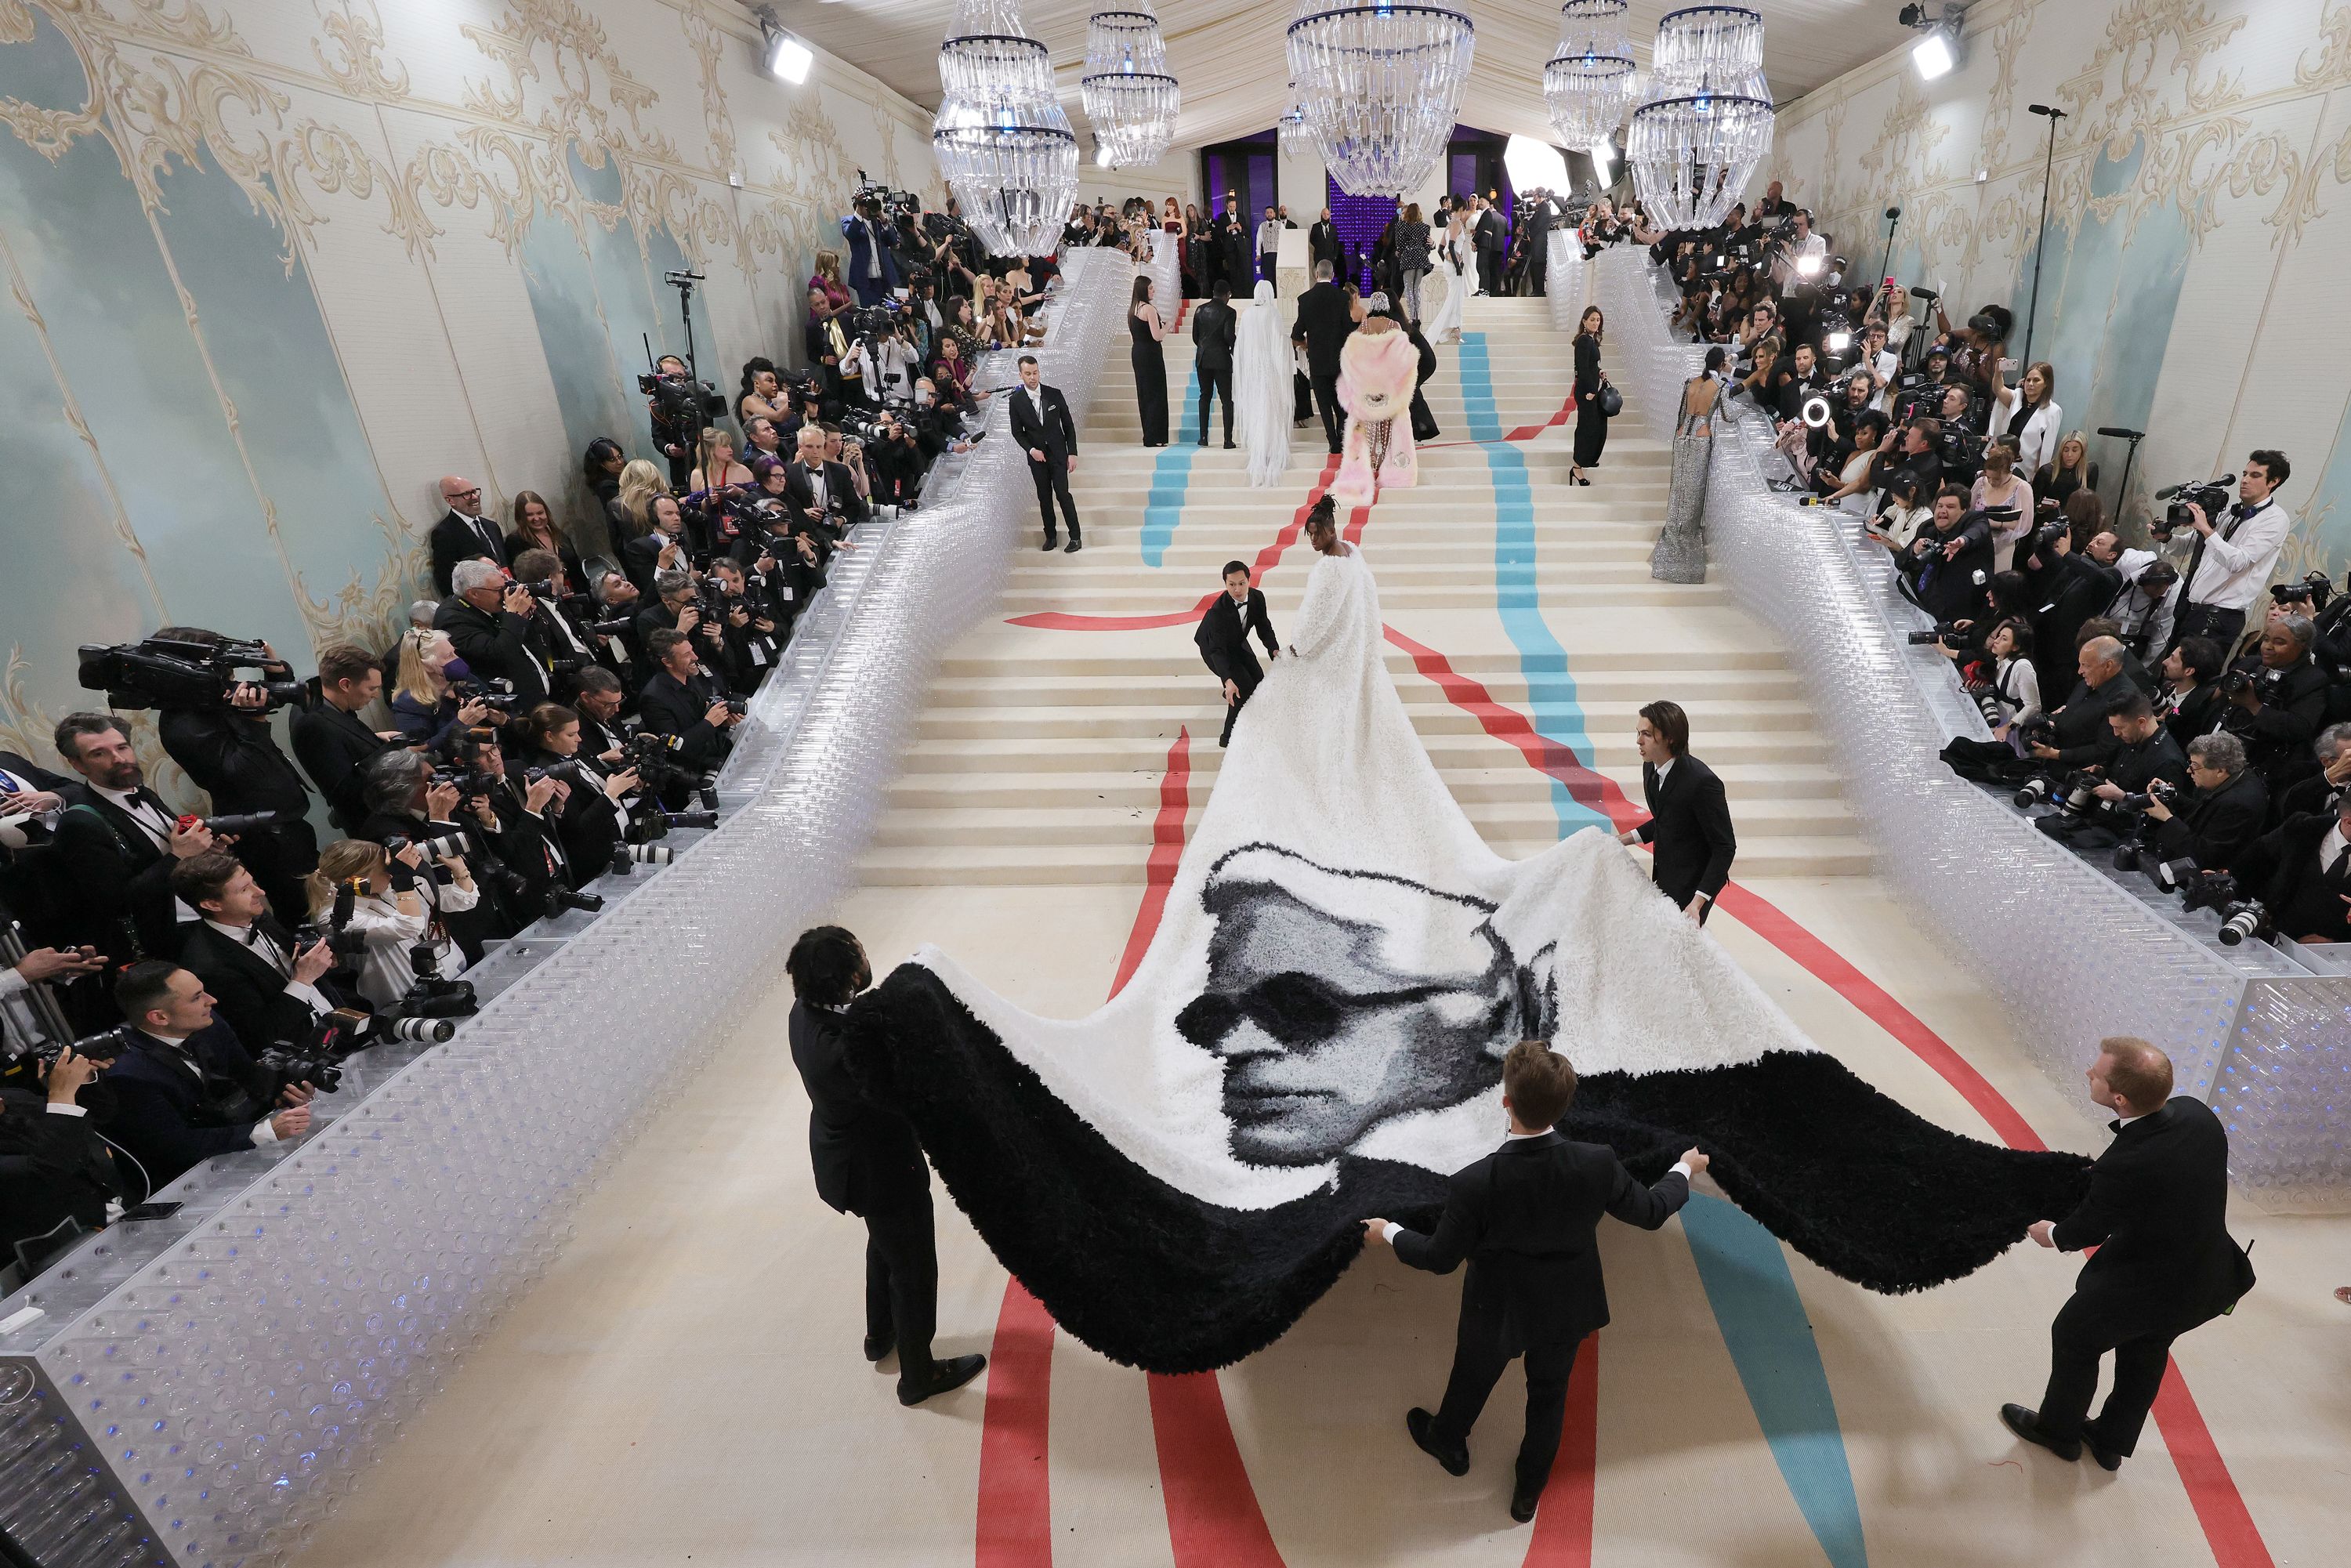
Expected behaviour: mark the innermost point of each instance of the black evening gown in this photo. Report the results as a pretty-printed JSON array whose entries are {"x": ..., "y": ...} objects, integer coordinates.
[
  {"x": 1591, "y": 424},
  {"x": 1150, "y": 382}
]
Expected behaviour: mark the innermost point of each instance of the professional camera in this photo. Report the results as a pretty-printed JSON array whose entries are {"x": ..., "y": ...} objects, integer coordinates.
[
  {"x": 233, "y": 824},
  {"x": 649, "y": 753},
  {"x": 103, "y": 1046},
  {"x": 681, "y": 401},
  {"x": 428, "y": 1008},
  {"x": 657, "y": 823},
  {"x": 471, "y": 783},
  {"x": 2073, "y": 795},
  {"x": 164, "y": 671},
  {"x": 496, "y": 693},
  {"x": 314, "y": 1058},
  {"x": 335, "y": 929},
  {"x": 2314, "y": 591},
  {"x": 1941, "y": 631},
  {"x": 2248, "y": 917},
  {"x": 2157, "y": 790},
  {"x": 2212, "y": 495},
  {"x": 447, "y": 846},
  {"x": 2266, "y": 683},
  {"x": 891, "y": 203}
]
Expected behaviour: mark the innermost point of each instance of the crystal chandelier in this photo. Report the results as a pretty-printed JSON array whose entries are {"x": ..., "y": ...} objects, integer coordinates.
[
  {"x": 1000, "y": 138},
  {"x": 1294, "y": 135},
  {"x": 1706, "y": 121},
  {"x": 1380, "y": 86},
  {"x": 1589, "y": 82},
  {"x": 1128, "y": 94}
]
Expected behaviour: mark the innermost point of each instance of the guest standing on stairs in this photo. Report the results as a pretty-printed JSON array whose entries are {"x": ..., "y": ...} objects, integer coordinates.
[
  {"x": 1215, "y": 326},
  {"x": 1591, "y": 418},
  {"x": 868, "y": 1162},
  {"x": 1042, "y": 424},
  {"x": 1223, "y": 635},
  {"x": 1324, "y": 320},
  {"x": 1689, "y": 817},
  {"x": 1150, "y": 364}
]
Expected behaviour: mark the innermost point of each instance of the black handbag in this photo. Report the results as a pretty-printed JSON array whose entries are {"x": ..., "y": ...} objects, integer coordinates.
[{"x": 1611, "y": 401}]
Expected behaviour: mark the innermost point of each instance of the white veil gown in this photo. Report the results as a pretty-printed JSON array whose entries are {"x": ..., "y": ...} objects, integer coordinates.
[{"x": 1262, "y": 392}]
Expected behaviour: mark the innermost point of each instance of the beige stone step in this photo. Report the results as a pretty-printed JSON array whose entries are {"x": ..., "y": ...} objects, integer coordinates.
[
  {"x": 1708, "y": 717},
  {"x": 1183, "y": 680},
  {"x": 1747, "y": 784},
  {"x": 1004, "y": 752}
]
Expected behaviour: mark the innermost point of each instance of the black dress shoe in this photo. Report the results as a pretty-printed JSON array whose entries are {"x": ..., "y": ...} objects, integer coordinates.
[
  {"x": 1229, "y": 446},
  {"x": 1523, "y": 1499},
  {"x": 2026, "y": 1424},
  {"x": 1421, "y": 1424},
  {"x": 1049, "y": 542},
  {"x": 2108, "y": 1460},
  {"x": 1074, "y": 546},
  {"x": 952, "y": 1372},
  {"x": 878, "y": 1345}
]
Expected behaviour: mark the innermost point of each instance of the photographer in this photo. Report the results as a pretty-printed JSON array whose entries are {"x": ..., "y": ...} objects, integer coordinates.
[
  {"x": 678, "y": 609},
  {"x": 2003, "y": 497},
  {"x": 185, "y": 1088},
  {"x": 2301, "y": 872},
  {"x": 2147, "y": 603},
  {"x": 683, "y": 701},
  {"x": 1960, "y": 444},
  {"x": 2225, "y": 812},
  {"x": 492, "y": 621},
  {"x": 2316, "y": 792},
  {"x": 596, "y": 815},
  {"x": 822, "y": 495},
  {"x": 264, "y": 986},
  {"x": 54, "y": 1167},
  {"x": 2074, "y": 734},
  {"x": 2140, "y": 757},
  {"x": 395, "y": 913},
  {"x": 1919, "y": 452},
  {"x": 1948, "y": 565},
  {"x": 566, "y": 629},
  {"x": 118, "y": 842},
  {"x": 674, "y": 414},
  {"x": 406, "y": 802},
  {"x": 752, "y": 642},
  {"x": 2230, "y": 562},
  {"x": 598, "y": 704},
  {"x": 2278, "y": 698},
  {"x": 226, "y": 750},
  {"x": 2000, "y": 674},
  {"x": 2191, "y": 699},
  {"x": 2074, "y": 588},
  {"x": 516, "y": 818},
  {"x": 663, "y": 549},
  {"x": 873, "y": 268},
  {"x": 333, "y": 743}
]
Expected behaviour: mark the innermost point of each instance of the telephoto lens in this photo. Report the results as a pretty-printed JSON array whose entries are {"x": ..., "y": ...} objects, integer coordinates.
[
  {"x": 432, "y": 1031},
  {"x": 625, "y": 857},
  {"x": 2036, "y": 791},
  {"x": 2241, "y": 920}
]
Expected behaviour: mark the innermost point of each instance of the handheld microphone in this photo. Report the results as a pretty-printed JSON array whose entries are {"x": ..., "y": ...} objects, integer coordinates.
[{"x": 2122, "y": 434}]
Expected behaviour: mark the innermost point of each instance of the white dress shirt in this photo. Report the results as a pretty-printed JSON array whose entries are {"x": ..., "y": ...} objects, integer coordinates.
[
  {"x": 2233, "y": 571},
  {"x": 2331, "y": 847},
  {"x": 158, "y": 828}
]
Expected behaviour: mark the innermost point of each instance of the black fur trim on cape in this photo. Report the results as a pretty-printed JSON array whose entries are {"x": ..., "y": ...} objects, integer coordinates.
[{"x": 1151, "y": 1276}]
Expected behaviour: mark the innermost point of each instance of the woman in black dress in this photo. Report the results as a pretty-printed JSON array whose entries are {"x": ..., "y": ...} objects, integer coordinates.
[
  {"x": 1150, "y": 365},
  {"x": 1591, "y": 424}
]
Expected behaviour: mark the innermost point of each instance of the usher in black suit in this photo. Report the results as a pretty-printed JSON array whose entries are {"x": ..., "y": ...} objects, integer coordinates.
[
  {"x": 1223, "y": 637},
  {"x": 868, "y": 1162},
  {"x": 2157, "y": 1214},
  {"x": 1041, "y": 422},
  {"x": 1690, "y": 827},
  {"x": 1322, "y": 325},
  {"x": 1525, "y": 1217}
]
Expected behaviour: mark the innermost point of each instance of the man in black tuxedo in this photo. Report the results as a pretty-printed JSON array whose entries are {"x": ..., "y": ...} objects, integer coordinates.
[
  {"x": 490, "y": 621},
  {"x": 1322, "y": 325},
  {"x": 662, "y": 547},
  {"x": 1525, "y": 1217},
  {"x": 1215, "y": 328},
  {"x": 821, "y": 494},
  {"x": 2157, "y": 1214},
  {"x": 185, "y": 1088},
  {"x": 119, "y": 841},
  {"x": 1690, "y": 819},
  {"x": 683, "y": 702},
  {"x": 263, "y": 985},
  {"x": 868, "y": 1162},
  {"x": 1223, "y": 637},
  {"x": 462, "y": 533},
  {"x": 1322, "y": 242},
  {"x": 228, "y": 751},
  {"x": 1042, "y": 428},
  {"x": 1490, "y": 247},
  {"x": 331, "y": 741},
  {"x": 2300, "y": 872}
]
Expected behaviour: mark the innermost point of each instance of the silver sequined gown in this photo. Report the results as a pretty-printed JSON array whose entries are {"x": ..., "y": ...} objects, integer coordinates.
[{"x": 1680, "y": 552}]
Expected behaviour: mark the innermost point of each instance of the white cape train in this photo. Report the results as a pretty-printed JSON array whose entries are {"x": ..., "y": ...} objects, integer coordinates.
[{"x": 1316, "y": 1032}]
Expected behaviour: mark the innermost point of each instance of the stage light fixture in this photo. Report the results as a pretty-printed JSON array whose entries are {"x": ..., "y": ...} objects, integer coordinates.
[
  {"x": 783, "y": 54},
  {"x": 1934, "y": 55}
]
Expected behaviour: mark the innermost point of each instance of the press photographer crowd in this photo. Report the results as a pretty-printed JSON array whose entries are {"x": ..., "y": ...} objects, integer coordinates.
[
  {"x": 2168, "y": 708},
  {"x": 175, "y": 986}
]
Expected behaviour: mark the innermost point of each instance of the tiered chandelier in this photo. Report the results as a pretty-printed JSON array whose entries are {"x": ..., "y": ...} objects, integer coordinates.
[
  {"x": 1128, "y": 94},
  {"x": 1380, "y": 86},
  {"x": 1294, "y": 135},
  {"x": 1589, "y": 82},
  {"x": 1000, "y": 138},
  {"x": 1706, "y": 121}
]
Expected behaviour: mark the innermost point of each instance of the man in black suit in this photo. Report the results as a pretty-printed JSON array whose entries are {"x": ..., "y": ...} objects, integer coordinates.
[
  {"x": 118, "y": 841},
  {"x": 263, "y": 985},
  {"x": 2157, "y": 1214},
  {"x": 821, "y": 493},
  {"x": 868, "y": 1162},
  {"x": 662, "y": 547},
  {"x": 1490, "y": 247},
  {"x": 1690, "y": 819},
  {"x": 186, "y": 1089},
  {"x": 1525, "y": 1217},
  {"x": 2224, "y": 815},
  {"x": 1215, "y": 328},
  {"x": 1322, "y": 325},
  {"x": 462, "y": 533},
  {"x": 1322, "y": 242},
  {"x": 686, "y": 703},
  {"x": 1042, "y": 428},
  {"x": 2301, "y": 872},
  {"x": 331, "y": 741},
  {"x": 490, "y": 623},
  {"x": 228, "y": 751},
  {"x": 1223, "y": 637}
]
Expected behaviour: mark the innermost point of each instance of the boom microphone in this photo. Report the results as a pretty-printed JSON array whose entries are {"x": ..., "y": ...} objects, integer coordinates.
[{"x": 2121, "y": 434}]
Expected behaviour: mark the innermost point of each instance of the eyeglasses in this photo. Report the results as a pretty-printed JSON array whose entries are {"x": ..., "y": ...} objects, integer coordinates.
[{"x": 465, "y": 495}]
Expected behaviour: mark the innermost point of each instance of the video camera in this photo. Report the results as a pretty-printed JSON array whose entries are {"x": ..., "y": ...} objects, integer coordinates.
[
  {"x": 2212, "y": 495},
  {"x": 894, "y": 203},
  {"x": 496, "y": 693},
  {"x": 166, "y": 672}
]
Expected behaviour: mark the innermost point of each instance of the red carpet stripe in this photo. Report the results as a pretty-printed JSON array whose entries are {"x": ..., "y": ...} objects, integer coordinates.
[
  {"x": 1529, "y": 432},
  {"x": 2229, "y": 1528},
  {"x": 1015, "y": 1527},
  {"x": 1166, "y": 849},
  {"x": 1213, "y": 1518},
  {"x": 1564, "y": 1519}
]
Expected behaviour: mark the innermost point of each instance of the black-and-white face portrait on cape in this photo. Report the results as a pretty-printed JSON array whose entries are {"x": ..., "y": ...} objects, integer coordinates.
[{"x": 1337, "y": 1000}]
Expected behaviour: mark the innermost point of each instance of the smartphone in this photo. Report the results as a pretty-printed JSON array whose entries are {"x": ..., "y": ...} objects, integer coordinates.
[{"x": 152, "y": 1211}]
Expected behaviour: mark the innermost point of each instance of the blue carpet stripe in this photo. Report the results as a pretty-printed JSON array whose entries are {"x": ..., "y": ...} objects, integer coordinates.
[
  {"x": 1171, "y": 477},
  {"x": 1742, "y": 1266}
]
